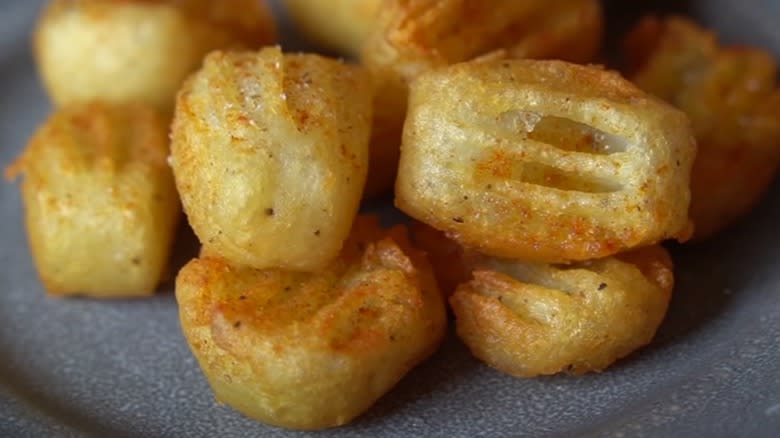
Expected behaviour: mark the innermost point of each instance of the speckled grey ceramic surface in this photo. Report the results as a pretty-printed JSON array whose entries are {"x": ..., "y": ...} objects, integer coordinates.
[{"x": 91, "y": 368}]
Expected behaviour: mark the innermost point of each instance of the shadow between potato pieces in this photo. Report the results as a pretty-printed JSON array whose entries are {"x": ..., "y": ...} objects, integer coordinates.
[
  {"x": 185, "y": 248},
  {"x": 450, "y": 366}
]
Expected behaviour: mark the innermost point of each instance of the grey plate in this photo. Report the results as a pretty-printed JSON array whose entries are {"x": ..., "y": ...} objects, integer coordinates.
[{"x": 80, "y": 367}]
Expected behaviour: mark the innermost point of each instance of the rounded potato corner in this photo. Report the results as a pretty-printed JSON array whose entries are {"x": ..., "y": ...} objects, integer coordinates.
[
  {"x": 544, "y": 160},
  {"x": 270, "y": 154},
  {"x": 100, "y": 203},
  {"x": 528, "y": 319},
  {"x": 134, "y": 50},
  {"x": 339, "y": 25},
  {"x": 731, "y": 96},
  {"x": 313, "y": 350}
]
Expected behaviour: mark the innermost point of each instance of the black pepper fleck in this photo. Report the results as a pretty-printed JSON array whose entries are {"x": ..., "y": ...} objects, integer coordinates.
[
  {"x": 269, "y": 211},
  {"x": 458, "y": 219},
  {"x": 602, "y": 286}
]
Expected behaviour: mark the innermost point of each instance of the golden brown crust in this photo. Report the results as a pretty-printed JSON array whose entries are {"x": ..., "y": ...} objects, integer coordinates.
[
  {"x": 413, "y": 36},
  {"x": 100, "y": 202},
  {"x": 310, "y": 351},
  {"x": 270, "y": 154},
  {"x": 132, "y": 50},
  {"x": 528, "y": 319},
  {"x": 731, "y": 96},
  {"x": 543, "y": 160}
]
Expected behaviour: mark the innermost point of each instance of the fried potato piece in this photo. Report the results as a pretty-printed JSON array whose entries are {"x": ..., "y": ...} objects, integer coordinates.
[
  {"x": 414, "y": 36},
  {"x": 100, "y": 203},
  {"x": 733, "y": 100},
  {"x": 544, "y": 160},
  {"x": 530, "y": 319},
  {"x": 310, "y": 351},
  {"x": 340, "y": 25},
  {"x": 270, "y": 154},
  {"x": 134, "y": 50}
]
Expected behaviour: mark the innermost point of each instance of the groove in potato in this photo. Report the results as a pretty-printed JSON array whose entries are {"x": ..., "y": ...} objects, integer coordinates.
[
  {"x": 270, "y": 153},
  {"x": 544, "y": 160},
  {"x": 100, "y": 203},
  {"x": 528, "y": 319},
  {"x": 414, "y": 36},
  {"x": 313, "y": 350},
  {"x": 340, "y": 25},
  {"x": 732, "y": 98},
  {"x": 134, "y": 50}
]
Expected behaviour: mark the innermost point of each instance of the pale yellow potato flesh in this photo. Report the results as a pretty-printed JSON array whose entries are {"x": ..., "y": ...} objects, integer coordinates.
[
  {"x": 270, "y": 154},
  {"x": 339, "y": 25},
  {"x": 544, "y": 160},
  {"x": 134, "y": 50},
  {"x": 731, "y": 96},
  {"x": 527, "y": 319},
  {"x": 313, "y": 350},
  {"x": 100, "y": 202}
]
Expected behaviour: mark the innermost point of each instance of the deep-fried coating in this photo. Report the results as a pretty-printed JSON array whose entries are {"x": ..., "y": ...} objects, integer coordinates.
[
  {"x": 270, "y": 154},
  {"x": 340, "y": 25},
  {"x": 544, "y": 160},
  {"x": 452, "y": 264},
  {"x": 528, "y": 320},
  {"x": 310, "y": 351},
  {"x": 100, "y": 202},
  {"x": 138, "y": 50},
  {"x": 732, "y": 98},
  {"x": 414, "y": 36}
]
